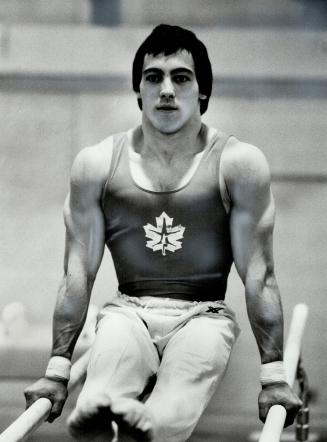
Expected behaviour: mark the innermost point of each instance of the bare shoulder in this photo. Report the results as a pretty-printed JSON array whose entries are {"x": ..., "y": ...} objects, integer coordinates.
[
  {"x": 244, "y": 163},
  {"x": 92, "y": 164},
  {"x": 246, "y": 174}
]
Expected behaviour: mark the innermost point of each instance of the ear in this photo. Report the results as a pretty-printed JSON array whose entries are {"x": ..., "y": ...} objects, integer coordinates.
[{"x": 202, "y": 97}]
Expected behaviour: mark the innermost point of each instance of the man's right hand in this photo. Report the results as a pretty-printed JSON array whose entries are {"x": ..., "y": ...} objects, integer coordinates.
[{"x": 54, "y": 390}]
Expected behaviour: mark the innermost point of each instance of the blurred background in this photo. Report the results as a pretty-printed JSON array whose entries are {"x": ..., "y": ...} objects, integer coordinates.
[{"x": 65, "y": 83}]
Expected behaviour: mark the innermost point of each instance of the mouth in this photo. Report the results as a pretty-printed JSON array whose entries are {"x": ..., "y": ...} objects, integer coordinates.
[{"x": 166, "y": 108}]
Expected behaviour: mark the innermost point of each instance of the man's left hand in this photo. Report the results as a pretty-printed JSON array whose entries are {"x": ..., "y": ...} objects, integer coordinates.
[{"x": 279, "y": 393}]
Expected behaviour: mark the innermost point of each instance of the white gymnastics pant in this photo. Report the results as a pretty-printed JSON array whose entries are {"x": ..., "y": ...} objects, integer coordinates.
[{"x": 186, "y": 344}]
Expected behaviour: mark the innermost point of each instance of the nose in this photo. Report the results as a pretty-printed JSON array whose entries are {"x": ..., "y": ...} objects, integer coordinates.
[{"x": 167, "y": 89}]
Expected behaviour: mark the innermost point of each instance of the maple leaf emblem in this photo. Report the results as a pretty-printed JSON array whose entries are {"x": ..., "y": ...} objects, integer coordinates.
[{"x": 164, "y": 236}]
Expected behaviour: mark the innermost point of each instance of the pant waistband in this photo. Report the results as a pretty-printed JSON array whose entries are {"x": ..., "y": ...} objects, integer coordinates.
[{"x": 158, "y": 303}]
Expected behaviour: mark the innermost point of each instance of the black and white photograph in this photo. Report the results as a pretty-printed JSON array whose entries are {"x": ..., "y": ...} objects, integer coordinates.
[{"x": 163, "y": 241}]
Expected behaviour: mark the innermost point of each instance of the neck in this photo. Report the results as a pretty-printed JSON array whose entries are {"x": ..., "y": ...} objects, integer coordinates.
[{"x": 186, "y": 142}]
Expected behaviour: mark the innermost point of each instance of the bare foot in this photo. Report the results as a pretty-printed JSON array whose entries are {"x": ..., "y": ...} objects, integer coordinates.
[
  {"x": 133, "y": 419},
  {"x": 94, "y": 418},
  {"x": 91, "y": 419}
]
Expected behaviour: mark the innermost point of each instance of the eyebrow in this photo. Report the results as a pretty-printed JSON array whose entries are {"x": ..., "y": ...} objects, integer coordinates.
[{"x": 174, "y": 71}]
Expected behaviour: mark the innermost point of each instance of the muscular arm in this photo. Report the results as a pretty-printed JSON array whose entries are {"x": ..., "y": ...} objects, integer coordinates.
[
  {"x": 247, "y": 178},
  {"x": 252, "y": 221},
  {"x": 83, "y": 253}
]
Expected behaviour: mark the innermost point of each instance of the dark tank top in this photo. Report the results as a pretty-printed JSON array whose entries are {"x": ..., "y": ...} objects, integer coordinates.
[{"x": 173, "y": 244}]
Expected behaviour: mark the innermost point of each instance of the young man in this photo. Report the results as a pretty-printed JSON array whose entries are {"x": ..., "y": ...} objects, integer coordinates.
[{"x": 180, "y": 203}]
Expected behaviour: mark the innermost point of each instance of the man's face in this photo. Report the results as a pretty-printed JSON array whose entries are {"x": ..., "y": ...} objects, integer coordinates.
[{"x": 169, "y": 91}]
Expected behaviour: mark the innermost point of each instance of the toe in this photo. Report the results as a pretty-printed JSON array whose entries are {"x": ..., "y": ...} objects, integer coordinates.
[{"x": 133, "y": 418}]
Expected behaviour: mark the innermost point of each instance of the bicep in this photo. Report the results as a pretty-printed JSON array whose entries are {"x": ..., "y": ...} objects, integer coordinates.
[
  {"x": 251, "y": 226},
  {"x": 84, "y": 238},
  {"x": 85, "y": 225},
  {"x": 247, "y": 176}
]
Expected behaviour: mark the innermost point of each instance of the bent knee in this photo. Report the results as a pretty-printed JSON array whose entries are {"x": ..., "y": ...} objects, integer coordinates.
[{"x": 175, "y": 423}]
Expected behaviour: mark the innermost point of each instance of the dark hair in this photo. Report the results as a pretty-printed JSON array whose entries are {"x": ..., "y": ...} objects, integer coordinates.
[{"x": 167, "y": 39}]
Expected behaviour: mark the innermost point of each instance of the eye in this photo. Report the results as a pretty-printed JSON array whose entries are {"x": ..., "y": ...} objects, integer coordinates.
[
  {"x": 153, "y": 78},
  {"x": 181, "y": 78}
]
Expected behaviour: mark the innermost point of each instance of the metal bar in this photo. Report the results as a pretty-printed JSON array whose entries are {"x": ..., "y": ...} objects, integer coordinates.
[
  {"x": 32, "y": 418},
  {"x": 39, "y": 411},
  {"x": 302, "y": 420},
  {"x": 274, "y": 424}
]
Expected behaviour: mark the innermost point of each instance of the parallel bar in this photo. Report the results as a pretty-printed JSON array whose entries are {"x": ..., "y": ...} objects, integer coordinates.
[
  {"x": 293, "y": 344},
  {"x": 32, "y": 418},
  {"x": 274, "y": 424},
  {"x": 78, "y": 372},
  {"x": 28, "y": 422},
  {"x": 37, "y": 413}
]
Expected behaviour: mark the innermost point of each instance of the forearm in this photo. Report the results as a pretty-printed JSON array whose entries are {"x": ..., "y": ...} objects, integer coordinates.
[
  {"x": 266, "y": 317},
  {"x": 70, "y": 314}
]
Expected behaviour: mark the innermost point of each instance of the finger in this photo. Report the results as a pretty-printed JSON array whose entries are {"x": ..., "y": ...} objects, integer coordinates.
[
  {"x": 52, "y": 417},
  {"x": 263, "y": 411},
  {"x": 290, "y": 419},
  {"x": 56, "y": 410},
  {"x": 30, "y": 399},
  {"x": 291, "y": 415}
]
